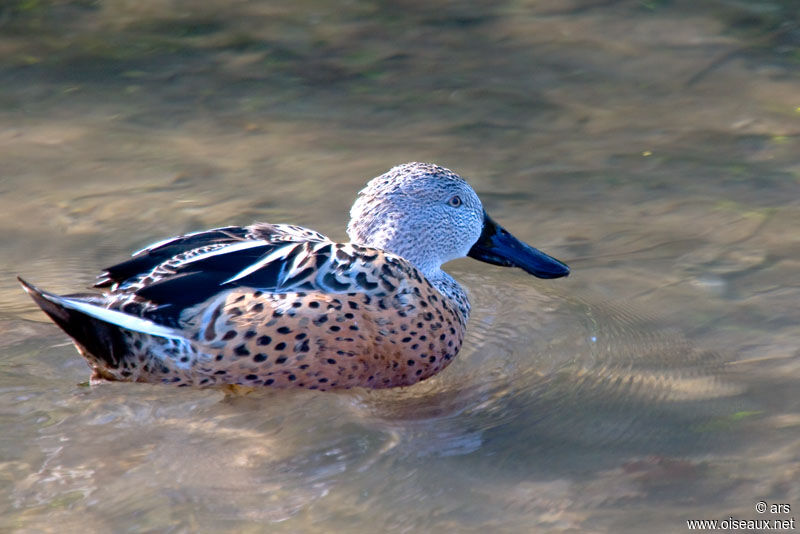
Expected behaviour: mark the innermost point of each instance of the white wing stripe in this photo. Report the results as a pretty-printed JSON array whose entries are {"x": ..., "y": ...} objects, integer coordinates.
[
  {"x": 279, "y": 253},
  {"x": 129, "y": 322}
]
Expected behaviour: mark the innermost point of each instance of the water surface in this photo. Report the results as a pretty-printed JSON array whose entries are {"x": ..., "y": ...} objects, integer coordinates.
[{"x": 653, "y": 146}]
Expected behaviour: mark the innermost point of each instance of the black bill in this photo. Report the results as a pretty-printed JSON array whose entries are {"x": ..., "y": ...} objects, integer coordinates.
[{"x": 497, "y": 246}]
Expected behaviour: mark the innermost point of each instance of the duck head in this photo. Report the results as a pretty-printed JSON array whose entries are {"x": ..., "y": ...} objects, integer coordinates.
[{"x": 429, "y": 215}]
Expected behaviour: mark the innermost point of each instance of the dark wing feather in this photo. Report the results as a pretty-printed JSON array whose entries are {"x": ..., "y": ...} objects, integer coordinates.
[
  {"x": 197, "y": 281},
  {"x": 163, "y": 253},
  {"x": 144, "y": 261}
]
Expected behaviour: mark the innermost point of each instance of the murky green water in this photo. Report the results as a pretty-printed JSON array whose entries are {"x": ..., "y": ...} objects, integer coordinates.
[{"x": 654, "y": 146}]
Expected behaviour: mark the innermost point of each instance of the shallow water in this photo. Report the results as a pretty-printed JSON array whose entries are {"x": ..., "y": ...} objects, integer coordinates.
[{"x": 653, "y": 146}]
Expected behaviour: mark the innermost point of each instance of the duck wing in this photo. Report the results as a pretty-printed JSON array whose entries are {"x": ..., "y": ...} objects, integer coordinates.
[
  {"x": 163, "y": 280},
  {"x": 146, "y": 261}
]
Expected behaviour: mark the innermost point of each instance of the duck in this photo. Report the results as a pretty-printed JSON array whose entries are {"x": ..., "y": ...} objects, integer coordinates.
[{"x": 282, "y": 306}]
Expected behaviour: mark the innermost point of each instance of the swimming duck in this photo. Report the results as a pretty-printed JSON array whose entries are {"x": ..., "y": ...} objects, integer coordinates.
[{"x": 284, "y": 306}]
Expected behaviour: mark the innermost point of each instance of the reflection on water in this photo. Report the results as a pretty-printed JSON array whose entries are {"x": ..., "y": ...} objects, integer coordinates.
[{"x": 651, "y": 145}]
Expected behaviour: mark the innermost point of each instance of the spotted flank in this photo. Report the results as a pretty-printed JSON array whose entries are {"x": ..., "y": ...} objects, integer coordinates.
[{"x": 284, "y": 306}]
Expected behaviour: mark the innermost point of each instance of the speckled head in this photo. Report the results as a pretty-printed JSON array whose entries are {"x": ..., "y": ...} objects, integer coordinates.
[{"x": 430, "y": 215}]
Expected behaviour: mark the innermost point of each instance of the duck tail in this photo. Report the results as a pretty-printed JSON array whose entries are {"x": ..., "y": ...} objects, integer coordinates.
[{"x": 102, "y": 339}]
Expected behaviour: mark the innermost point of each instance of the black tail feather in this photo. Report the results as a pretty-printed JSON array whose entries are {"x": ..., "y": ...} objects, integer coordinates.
[{"x": 102, "y": 340}]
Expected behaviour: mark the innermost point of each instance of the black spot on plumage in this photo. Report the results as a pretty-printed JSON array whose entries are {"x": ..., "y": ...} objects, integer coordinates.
[
  {"x": 348, "y": 315},
  {"x": 299, "y": 276},
  {"x": 284, "y": 330},
  {"x": 361, "y": 278},
  {"x": 387, "y": 285},
  {"x": 353, "y": 305},
  {"x": 303, "y": 347},
  {"x": 332, "y": 282},
  {"x": 257, "y": 308},
  {"x": 250, "y": 334},
  {"x": 251, "y": 377},
  {"x": 335, "y": 328},
  {"x": 313, "y": 304},
  {"x": 292, "y": 378},
  {"x": 269, "y": 381},
  {"x": 325, "y": 250},
  {"x": 241, "y": 350},
  {"x": 281, "y": 359},
  {"x": 264, "y": 340},
  {"x": 260, "y": 357},
  {"x": 319, "y": 260},
  {"x": 301, "y": 335},
  {"x": 432, "y": 359},
  {"x": 219, "y": 357},
  {"x": 280, "y": 346},
  {"x": 230, "y": 334},
  {"x": 210, "y": 333},
  {"x": 410, "y": 363},
  {"x": 320, "y": 320}
]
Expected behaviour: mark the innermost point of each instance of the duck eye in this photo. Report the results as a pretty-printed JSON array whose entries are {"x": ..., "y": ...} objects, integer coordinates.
[{"x": 455, "y": 201}]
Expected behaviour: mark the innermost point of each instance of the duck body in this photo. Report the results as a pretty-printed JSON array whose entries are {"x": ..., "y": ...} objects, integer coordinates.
[{"x": 284, "y": 306}]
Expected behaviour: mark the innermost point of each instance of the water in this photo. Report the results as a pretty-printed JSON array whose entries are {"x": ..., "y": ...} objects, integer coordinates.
[{"x": 651, "y": 145}]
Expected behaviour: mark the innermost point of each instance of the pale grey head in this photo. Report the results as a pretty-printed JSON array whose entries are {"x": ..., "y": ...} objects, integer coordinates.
[
  {"x": 425, "y": 213},
  {"x": 429, "y": 215}
]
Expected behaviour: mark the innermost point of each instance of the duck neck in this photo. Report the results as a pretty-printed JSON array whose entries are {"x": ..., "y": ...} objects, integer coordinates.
[
  {"x": 452, "y": 290},
  {"x": 420, "y": 256}
]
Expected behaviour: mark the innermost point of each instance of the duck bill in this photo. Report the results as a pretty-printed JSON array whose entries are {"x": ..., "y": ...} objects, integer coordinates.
[{"x": 498, "y": 247}]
